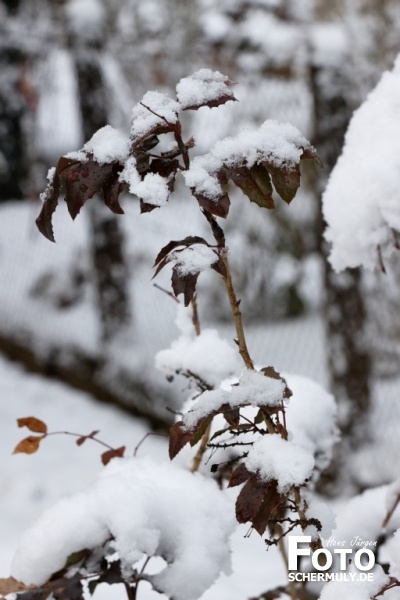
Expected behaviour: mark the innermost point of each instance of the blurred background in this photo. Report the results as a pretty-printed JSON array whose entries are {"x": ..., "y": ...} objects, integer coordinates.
[{"x": 85, "y": 312}]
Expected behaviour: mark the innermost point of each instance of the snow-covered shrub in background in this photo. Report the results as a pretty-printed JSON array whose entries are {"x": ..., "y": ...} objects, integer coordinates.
[{"x": 361, "y": 203}]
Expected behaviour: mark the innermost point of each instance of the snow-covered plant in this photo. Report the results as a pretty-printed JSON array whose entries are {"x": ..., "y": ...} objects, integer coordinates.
[{"x": 138, "y": 510}]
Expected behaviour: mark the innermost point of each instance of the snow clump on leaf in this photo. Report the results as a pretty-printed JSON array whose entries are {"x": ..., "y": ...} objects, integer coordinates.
[{"x": 149, "y": 509}]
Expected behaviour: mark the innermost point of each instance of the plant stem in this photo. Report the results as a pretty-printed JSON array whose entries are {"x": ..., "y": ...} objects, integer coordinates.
[
  {"x": 195, "y": 317},
  {"x": 237, "y": 316},
  {"x": 283, "y": 553},
  {"x": 202, "y": 448}
]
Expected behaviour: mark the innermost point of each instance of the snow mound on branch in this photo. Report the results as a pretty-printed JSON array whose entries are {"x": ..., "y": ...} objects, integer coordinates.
[
  {"x": 272, "y": 457},
  {"x": 361, "y": 203},
  {"x": 108, "y": 145},
  {"x": 201, "y": 87},
  {"x": 149, "y": 508},
  {"x": 207, "y": 356},
  {"x": 154, "y": 110},
  {"x": 275, "y": 143},
  {"x": 253, "y": 388},
  {"x": 311, "y": 418},
  {"x": 194, "y": 259}
]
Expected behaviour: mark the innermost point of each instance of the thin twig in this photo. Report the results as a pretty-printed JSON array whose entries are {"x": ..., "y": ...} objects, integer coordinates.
[
  {"x": 145, "y": 438},
  {"x": 195, "y": 316},
  {"x": 202, "y": 448},
  {"x": 170, "y": 294},
  {"x": 237, "y": 316},
  {"x": 79, "y": 435}
]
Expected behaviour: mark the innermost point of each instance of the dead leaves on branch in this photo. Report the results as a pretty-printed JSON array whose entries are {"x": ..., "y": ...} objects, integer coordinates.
[
  {"x": 181, "y": 434},
  {"x": 31, "y": 444},
  {"x": 184, "y": 281},
  {"x": 82, "y": 176}
]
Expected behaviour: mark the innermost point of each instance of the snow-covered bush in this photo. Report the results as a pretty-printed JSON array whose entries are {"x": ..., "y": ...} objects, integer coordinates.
[{"x": 262, "y": 435}]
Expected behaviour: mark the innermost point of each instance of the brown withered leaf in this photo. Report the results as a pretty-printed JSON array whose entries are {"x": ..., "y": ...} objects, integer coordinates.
[
  {"x": 50, "y": 202},
  {"x": 29, "y": 445},
  {"x": 68, "y": 588},
  {"x": 82, "y": 439},
  {"x": 184, "y": 284},
  {"x": 12, "y": 586},
  {"x": 271, "y": 372},
  {"x": 212, "y": 103},
  {"x": 200, "y": 431},
  {"x": 81, "y": 180},
  {"x": 255, "y": 183},
  {"x": 272, "y": 508},
  {"x": 113, "y": 453},
  {"x": 178, "y": 438},
  {"x": 259, "y": 502},
  {"x": 239, "y": 475},
  {"x": 174, "y": 244},
  {"x": 286, "y": 181},
  {"x": 218, "y": 207},
  {"x": 33, "y": 424},
  {"x": 250, "y": 499},
  {"x": 232, "y": 417}
]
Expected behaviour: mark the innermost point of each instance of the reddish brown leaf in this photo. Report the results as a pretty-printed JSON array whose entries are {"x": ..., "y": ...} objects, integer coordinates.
[
  {"x": 200, "y": 430},
  {"x": 33, "y": 424},
  {"x": 12, "y": 586},
  {"x": 50, "y": 202},
  {"x": 184, "y": 284},
  {"x": 110, "y": 454},
  {"x": 239, "y": 475},
  {"x": 29, "y": 445},
  {"x": 271, "y": 508},
  {"x": 82, "y": 181},
  {"x": 212, "y": 103},
  {"x": 254, "y": 183},
  {"x": 218, "y": 207},
  {"x": 232, "y": 417},
  {"x": 68, "y": 588},
  {"x": 250, "y": 499},
  {"x": 112, "y": 189},
  {"x": 220, "y": 267},
  {"x": 173, "y": 244},
  {"x": 178, "y": 438},
  {"x": 271, "y": 372},
  {"x": 286, "y": 181}
]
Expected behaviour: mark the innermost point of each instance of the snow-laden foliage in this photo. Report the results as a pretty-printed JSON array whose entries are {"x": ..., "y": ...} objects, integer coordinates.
[
  {"x": 361, "y": 201},
  {"x": 147, "y": 509}
]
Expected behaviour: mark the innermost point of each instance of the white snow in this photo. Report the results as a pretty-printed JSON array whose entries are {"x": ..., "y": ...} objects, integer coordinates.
[
  {"x": 275, "y": 143},
  {"x": 355, "y": 590},
  {"x": 201, "y": 87},
  {"x": 194, "y": 259},
  {"x": 149, "y": 509},
  {"x": 361, "y": 203},
  {"x": 272, "y": 457},
  {"x": 311, "y": 418},
  {"x": 208, "y": 356},
  {"x": 253, "y": 389},
  {"x": 163, "y": 110},
  {"x": 108, "y": 145}
]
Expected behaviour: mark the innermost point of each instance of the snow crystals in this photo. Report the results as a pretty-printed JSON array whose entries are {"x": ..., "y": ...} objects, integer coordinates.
[
  {"x": 108, "y": 145},
  {"x": 361, "y": 202},
  {"x": 278, "y": 144},
  {"x": 204, "y": 87},
  {"x": 274, "y": 458},
  {"x": 149, "y": 509}
]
